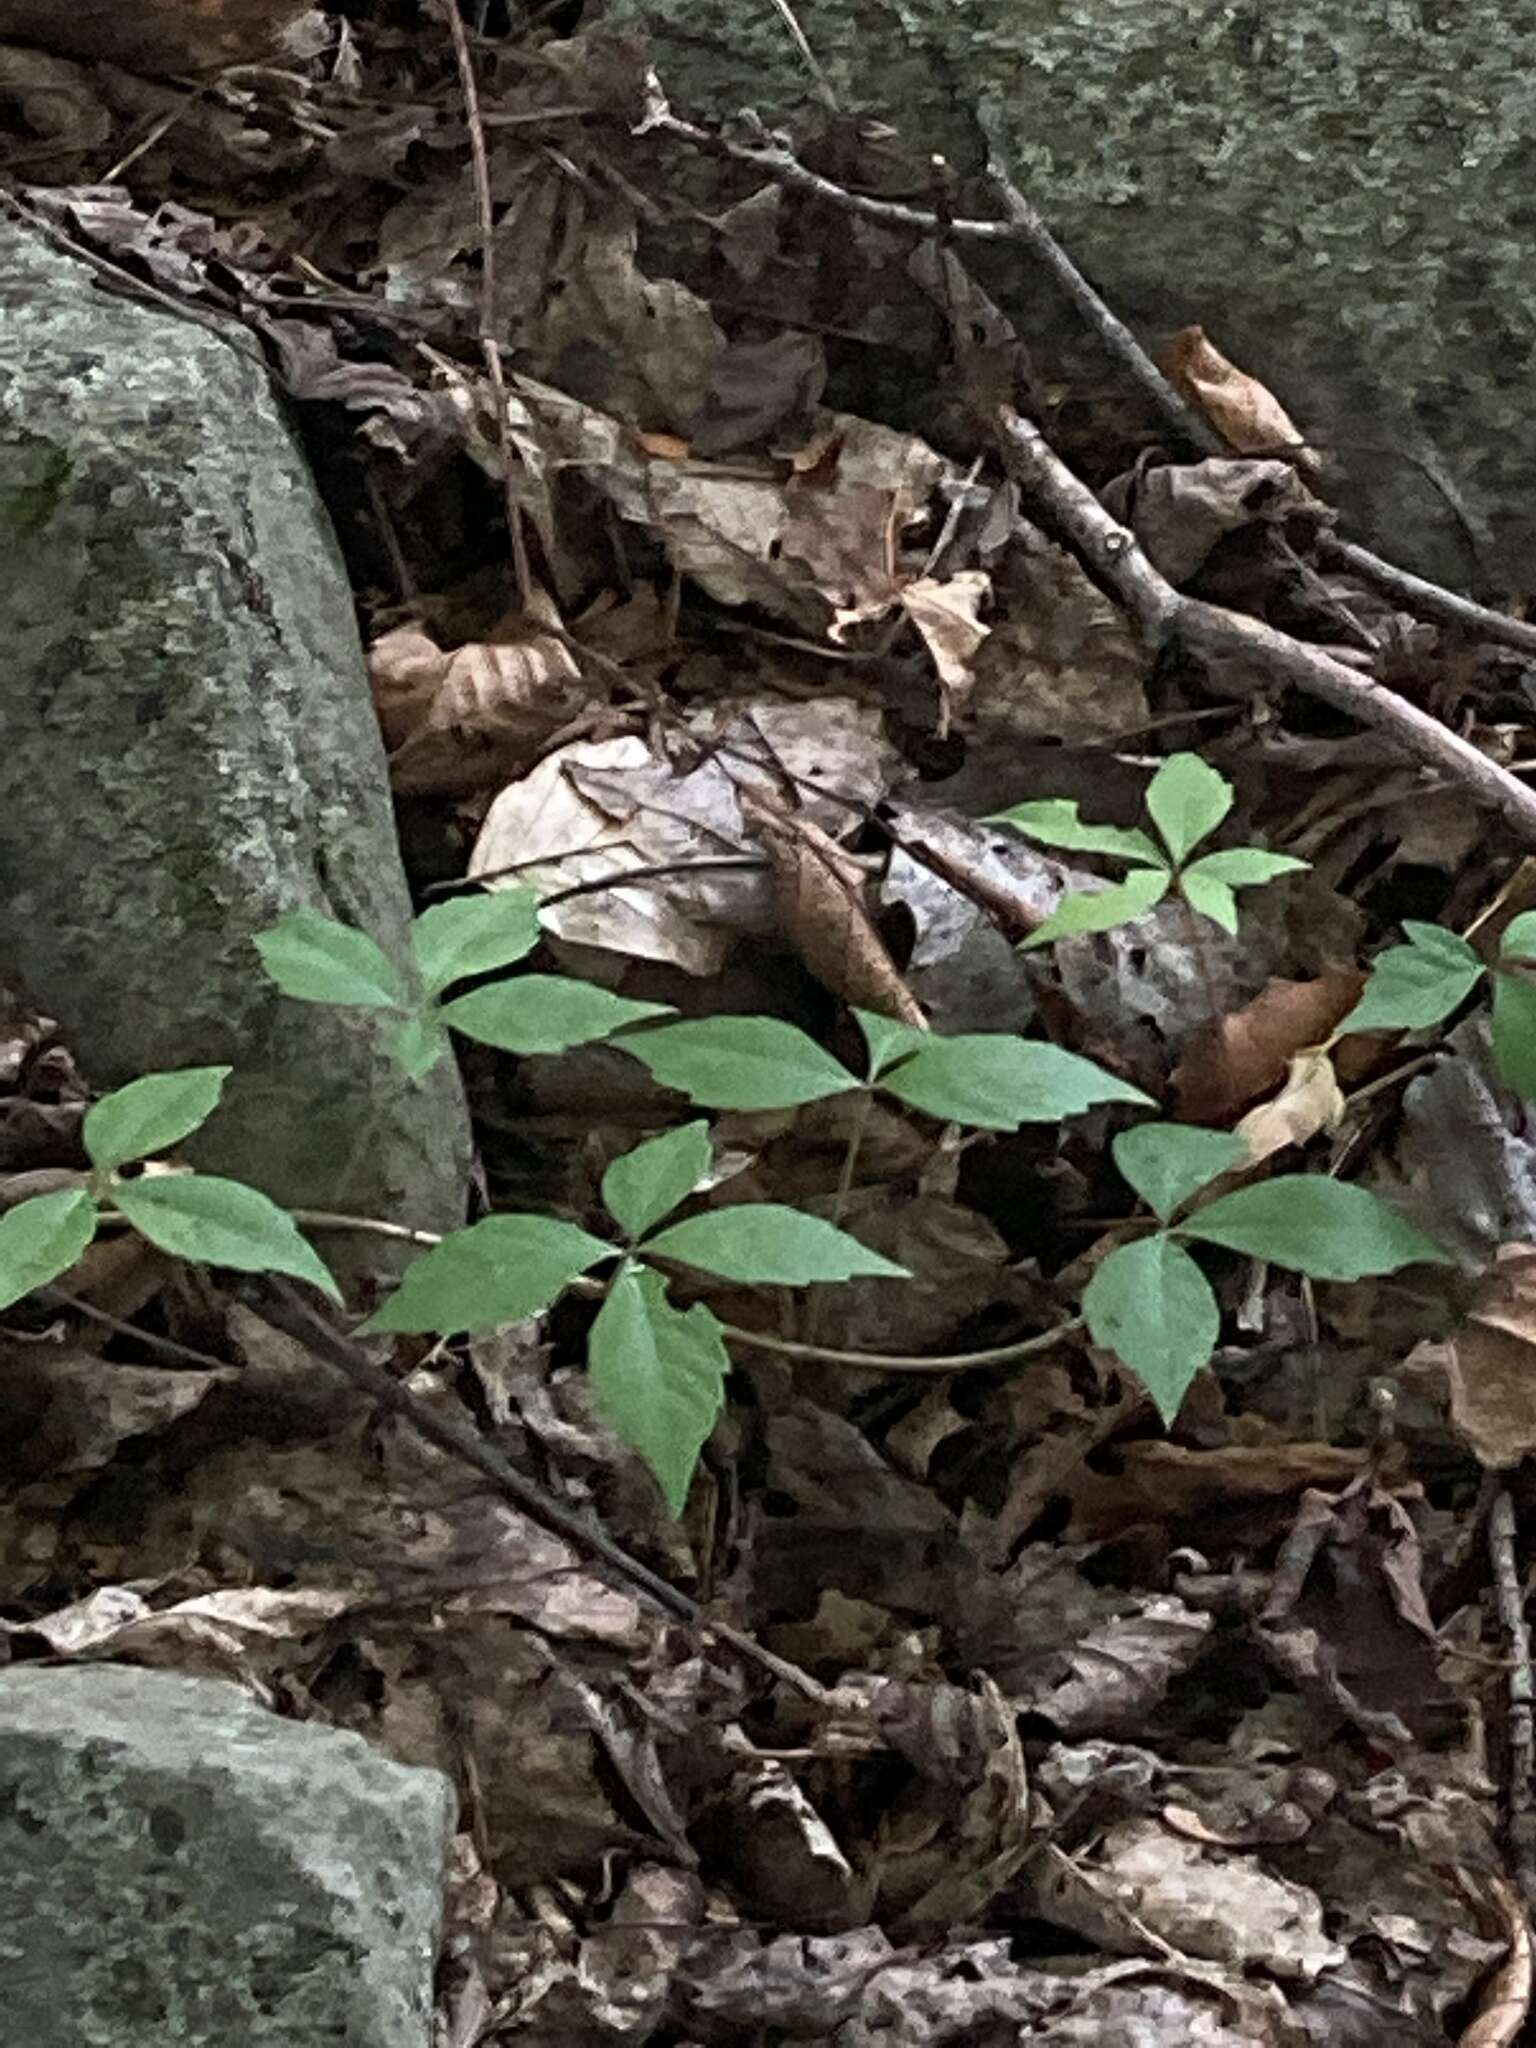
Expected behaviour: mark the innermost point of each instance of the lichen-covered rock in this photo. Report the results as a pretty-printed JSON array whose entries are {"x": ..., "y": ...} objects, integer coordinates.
[
  {"x": 179, "y": 1866},
  {"x": 1341, "y": 196},
  {"x": 190, "y": 749}
]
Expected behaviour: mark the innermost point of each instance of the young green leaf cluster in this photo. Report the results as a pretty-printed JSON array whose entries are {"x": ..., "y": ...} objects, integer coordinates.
[
  {"x": 1186, "y": 800},
  {"x": 190, "y": 1215},
  {"x": 1414, "y": 987},
  {"x": 317, "y": 960},
  {"x": 1150, "y": 1303}
]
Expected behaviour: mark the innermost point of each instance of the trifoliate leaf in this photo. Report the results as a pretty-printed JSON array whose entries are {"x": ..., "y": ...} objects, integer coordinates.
[
  {"x": 1053, "y": 821},
  {"x": 887, "y": 1040},
  {"x": 1416, "y": 986},
  {"x": 1101, "y": 910},
  {"x": 474, "y": 935},
  {"x": 42, "y": 1238},
  {"x": 995, "y": 1082},
  {"x": 1514, "y": 1032},
  {"x": 1167, "y": 1163}
]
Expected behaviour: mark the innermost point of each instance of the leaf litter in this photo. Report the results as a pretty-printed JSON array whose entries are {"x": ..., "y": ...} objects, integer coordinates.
[{"x": 1106, "y": 1733}]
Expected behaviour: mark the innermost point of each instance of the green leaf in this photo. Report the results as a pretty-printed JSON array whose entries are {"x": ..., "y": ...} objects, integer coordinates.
[
  {"x": 417, "y": 1043},
  {"x": 1100, "y": 910},
  {"x": 1514, "y": 1032},
  {"x": 474, "y": 935},
  {"x": 995, "y": 1082},
  {"x": 1167, "y": 1163},
  {"x": 1186, "y": 800},
  {"x": 41, "y": 1239},
  {"x": 151, "y": 1115},
  {"x": 317, "y": 960},
  {"x": 544, "y": 1013},
  {"x": 659, "y": 1376},
  {"x": 1519, "y": 940},
  {"x": 1244, "y": 867},
  {"x": 769, "y": 1244},
  {"x": 498, "y": 1271},
  {"x": 740, "y": 1062},
  {"x": 1151, "y": 1305},
  {"x": 887, "y": 1040},
  {"x": 1211, "y": 898},
  {"x": 220, "y": 1223},
  {"x": 1418, "y": 985},
  {"x": 1324, "y": 1228},
  {"x": 650, "y": 1181},
  {"x": 1054, "y": 821}
]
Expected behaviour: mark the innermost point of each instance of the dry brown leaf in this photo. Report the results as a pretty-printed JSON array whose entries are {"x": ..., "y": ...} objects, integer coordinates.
[
  {"x": 475, "y": 717},
  {"x": 819, "y": 894},
  {"x": 1489, "y": 1364},
  {"x": 944, "y": 612},
  {"x": 1505, "y": 2003},
  {"x": 1311, "y": 1101},
  {"x": 1247, "y": 416},
  {"x": 1235, "y": 1060},
  {"x": 154, "y": 35}
]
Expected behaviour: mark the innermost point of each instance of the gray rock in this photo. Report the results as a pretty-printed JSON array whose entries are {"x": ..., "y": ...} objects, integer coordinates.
[
  {"x": 178, "y": 1866},
  {"x": 190, "y": 750},
  {"x": 1342, "y": 197}
]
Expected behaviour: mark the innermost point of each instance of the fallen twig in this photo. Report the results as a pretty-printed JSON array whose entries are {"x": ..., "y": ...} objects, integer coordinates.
[
  {"x": 1232, "y": 640},
  {"x": 1510, "y": 1594}
]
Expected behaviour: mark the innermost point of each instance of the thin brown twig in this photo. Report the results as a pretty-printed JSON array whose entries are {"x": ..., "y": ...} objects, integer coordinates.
[
  {"x": 489, "y": 346},
  {"x": 1236, "y": 642},
  {"x": 1510, "y": 1594},
  {"x": 279, "y": 1303}
]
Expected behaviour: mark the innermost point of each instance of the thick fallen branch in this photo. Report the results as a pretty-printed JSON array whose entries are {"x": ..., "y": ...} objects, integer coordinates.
[{"x": 1233, "y": 642}]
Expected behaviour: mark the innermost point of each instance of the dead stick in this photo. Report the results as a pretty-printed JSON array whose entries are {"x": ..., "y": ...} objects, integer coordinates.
[
  {"x": 1510, "y": 1595},
  {"x": 1230, "y": 639}
]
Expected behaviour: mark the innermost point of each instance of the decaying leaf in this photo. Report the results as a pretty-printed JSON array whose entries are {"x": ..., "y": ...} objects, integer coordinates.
[
  {"x": 1247, "y": 416},
  {"x": 1233, "y": 1061},
  {"x": 1489, "y": 1363},
  {"x": 1310, "y": 1102},
  {"x": 156, "y": 35}
]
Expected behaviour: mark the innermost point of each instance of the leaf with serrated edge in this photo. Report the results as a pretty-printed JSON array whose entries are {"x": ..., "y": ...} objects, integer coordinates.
[
  {"x": 221, "y": 1223},
  {"x": 497, "y": 1271},
  {"x": 1054, "y": 821},
  {"x": 41, "y": 1239},
  {"x": 740, "y": 1062},
  {"x": 649, "y": 1181},
  {"x": 544, "y": 1013},
  {"x": 1151, "y": 1305},
  {"x": 659, "y": 1377},
  {"x": 886, "y": 1039},
  {"x": 1416, "y": 986},
  {"x": 1326, "y": 1229},
  {"x": 768, "y": 1244},
  {"x": 1211, "y": 898},
  {"x": 1186, "y": 800},
  {"x": 316, "y": 960},
  {"x": 1167, "y": 1163},
  {"x": 474, "y": 935},
  {"x": 150, "y": 1115},
  {"x": 995, "y": 1082},
  {"x": 1514, "y": 1032},
  {"x": 1102, "y": 910}
]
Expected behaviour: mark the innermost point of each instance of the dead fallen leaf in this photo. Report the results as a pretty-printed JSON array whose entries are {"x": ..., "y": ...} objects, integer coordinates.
[
  {"x": 1233, "y": 1061},
  {"x": 1311, "y": 1101},
  {"x": 1181, "y": 510},
  {"x": 155, "y": 35},
  {"x": 1489, "y": 1364},
  {"x": 1247, "y": 416}
]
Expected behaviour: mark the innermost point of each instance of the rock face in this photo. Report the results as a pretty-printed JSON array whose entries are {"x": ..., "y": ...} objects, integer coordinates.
[
  {"x": 177, "y": 1865},
  {"x": 190, "y": 749},
  {"x": 1345, "y": 198}
]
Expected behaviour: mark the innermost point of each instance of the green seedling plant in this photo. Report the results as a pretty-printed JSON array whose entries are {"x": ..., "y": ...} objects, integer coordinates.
[
  {"x": 1148, "y": 1300},
  {"x": 1419, "y": 985},
  {"x": 197, "y": 1216},
  {"x": 1185, "y": 801}
]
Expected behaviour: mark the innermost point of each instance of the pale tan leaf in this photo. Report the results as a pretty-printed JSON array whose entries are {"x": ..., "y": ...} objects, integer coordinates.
[
  {"x": 944, "y": 612},
  {"x": 1247, "y": 416},
  {"x": 1311, "y": 1101},
  {"x": 1489, "y": 1364}
]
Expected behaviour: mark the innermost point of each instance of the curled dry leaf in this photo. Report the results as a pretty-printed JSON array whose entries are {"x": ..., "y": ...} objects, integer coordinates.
[
  {"x": 474, "y": 717},
  {"x": 1180, "y": 511},
  {"x": 1244, "y": 412},
  {"x": 155, "y": 35},
  {"x": 1234, "y": 1060},
  {"x": 819, "y": 894},
  {"x": 1311, "y": 1101}
]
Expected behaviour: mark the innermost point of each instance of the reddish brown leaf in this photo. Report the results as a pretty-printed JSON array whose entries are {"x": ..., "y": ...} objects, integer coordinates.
[
  {"x": 1241, "y": 1057},
  {"x": 1247, "y": 416}
]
